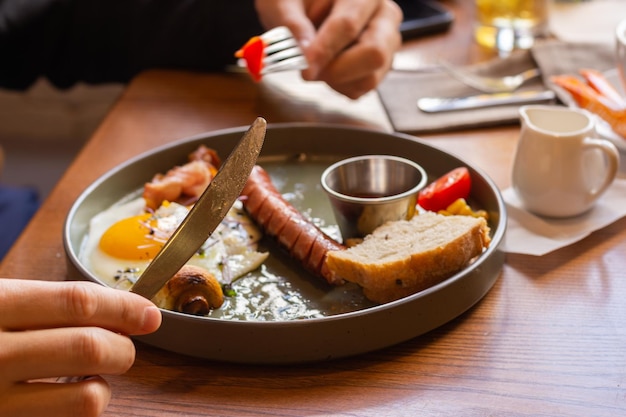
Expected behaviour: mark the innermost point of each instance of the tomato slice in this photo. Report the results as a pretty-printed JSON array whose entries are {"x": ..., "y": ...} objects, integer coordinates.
[
  {"x": 445, "y": 190},
  {"x": 253, "y": 52}
]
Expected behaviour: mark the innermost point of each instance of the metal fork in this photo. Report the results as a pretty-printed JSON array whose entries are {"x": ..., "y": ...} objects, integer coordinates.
[
  {"x": 281, "y": 52},
  {"x": 490, "y": 84}
]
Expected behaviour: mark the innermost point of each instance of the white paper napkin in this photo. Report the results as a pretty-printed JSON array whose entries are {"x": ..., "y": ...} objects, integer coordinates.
[
  {"x": 586, "y": 21},
  {"x": 529, "y": 234}
]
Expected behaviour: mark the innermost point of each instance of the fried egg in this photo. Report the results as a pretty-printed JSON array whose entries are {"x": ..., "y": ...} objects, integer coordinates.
[{"x": 123, "y": 239}]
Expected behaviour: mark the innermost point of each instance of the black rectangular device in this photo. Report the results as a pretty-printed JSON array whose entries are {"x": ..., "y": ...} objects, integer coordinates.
[{"x": 423, "y": 17}]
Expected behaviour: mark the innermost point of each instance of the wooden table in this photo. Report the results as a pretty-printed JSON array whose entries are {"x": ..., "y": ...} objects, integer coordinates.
[{"x": 548, "y": 339}]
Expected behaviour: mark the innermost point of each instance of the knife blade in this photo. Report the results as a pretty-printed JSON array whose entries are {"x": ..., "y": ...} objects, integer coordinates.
[
  {"x": 435, "y": 105},
  {"x": 206, "y": 214}
]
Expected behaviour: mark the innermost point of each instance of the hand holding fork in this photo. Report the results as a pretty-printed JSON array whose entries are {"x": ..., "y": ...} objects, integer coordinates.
[
  {"x": 350, "y": 51},
  {"x": 274, "y": 50}
]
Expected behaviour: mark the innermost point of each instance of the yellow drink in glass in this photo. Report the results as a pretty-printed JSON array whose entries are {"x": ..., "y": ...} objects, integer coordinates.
[{"x": 510, "y": 24}]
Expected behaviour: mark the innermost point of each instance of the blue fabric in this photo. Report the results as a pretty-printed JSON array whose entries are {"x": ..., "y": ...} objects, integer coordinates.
[{"x": 17, "y": 206}]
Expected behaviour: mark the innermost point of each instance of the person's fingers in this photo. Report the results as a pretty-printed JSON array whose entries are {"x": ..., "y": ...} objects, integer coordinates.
[
  {"x": 358, "y": 70},
  {"x": 354, "y": 44},
  {"x": 357, "y": 73},
  {"x": 341, "y": 28},
  {"x": 356, "y": 89},
  {"x": 42, "y": 399},
  {"x": 288, "y": 13},
  {"x": 362, "y": 66},
  {"x": 79, "y": 351},
  {"x": 26, "y": 304},
  {"x": 374, "y": 50}
]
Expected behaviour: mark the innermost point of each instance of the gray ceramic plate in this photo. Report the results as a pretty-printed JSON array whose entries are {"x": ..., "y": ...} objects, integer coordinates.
[{"x": 293, "y": 150}]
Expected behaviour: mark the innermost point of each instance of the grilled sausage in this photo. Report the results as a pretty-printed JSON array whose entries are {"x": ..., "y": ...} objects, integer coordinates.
[{"x": 302, "y": 239}]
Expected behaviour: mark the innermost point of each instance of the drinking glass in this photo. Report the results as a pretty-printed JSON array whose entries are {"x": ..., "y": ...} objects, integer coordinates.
[{"x": 505, "y": 25}]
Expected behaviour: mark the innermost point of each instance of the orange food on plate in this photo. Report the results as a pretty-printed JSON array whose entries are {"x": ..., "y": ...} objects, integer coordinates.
[
  {"x": 184, "y": 183},
  {"x": 596, "y": 94}
]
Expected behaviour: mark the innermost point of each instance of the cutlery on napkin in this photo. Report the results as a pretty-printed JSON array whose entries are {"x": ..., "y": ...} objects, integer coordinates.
[{"x": 400, "y": 90}]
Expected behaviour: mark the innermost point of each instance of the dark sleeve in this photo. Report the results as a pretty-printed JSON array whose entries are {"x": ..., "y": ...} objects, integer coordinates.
[{"x": 98, "y": 41}]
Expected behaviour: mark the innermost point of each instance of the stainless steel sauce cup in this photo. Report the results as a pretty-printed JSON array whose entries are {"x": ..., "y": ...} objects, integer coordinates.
[{"x": 367, "y": 191}]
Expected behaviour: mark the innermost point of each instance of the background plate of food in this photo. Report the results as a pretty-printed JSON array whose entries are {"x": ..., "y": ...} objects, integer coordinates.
[
  {"x": 602, "y": 94},
  {"x": 276, "y": 307}
]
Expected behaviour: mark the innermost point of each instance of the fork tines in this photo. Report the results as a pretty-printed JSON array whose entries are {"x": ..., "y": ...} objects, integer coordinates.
[{"x": 281, "y": 50}]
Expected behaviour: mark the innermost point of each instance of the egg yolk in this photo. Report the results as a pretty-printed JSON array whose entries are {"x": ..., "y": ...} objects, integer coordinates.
[{"x": 132, "y": 238}]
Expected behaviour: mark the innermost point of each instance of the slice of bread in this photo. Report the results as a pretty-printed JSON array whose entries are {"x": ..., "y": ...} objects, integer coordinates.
[{"x": 403, "y": 257}]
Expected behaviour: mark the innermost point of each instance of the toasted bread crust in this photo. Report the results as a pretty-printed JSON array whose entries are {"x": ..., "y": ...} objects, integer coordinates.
[{"x": 391, "y": 264}]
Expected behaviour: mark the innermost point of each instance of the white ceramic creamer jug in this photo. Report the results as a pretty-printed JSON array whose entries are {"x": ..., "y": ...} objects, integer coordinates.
[{"x": 560, "y": 169}]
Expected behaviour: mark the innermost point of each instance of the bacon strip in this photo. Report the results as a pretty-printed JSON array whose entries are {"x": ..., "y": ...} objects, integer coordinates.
[
  {"x": 183, "y": 184},
  {"x": 303, "y": 240}
]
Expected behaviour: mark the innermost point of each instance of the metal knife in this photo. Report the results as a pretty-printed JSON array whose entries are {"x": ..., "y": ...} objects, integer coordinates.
[
  {"x": 434, "y": 105},
  {"x": 206, "y": 214}
]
